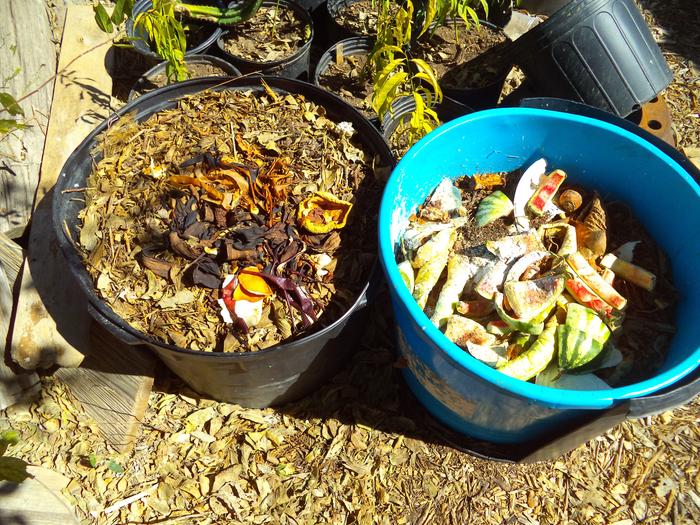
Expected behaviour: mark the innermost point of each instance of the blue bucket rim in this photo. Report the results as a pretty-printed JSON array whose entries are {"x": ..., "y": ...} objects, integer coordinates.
[{"x": 559, "y": 398}]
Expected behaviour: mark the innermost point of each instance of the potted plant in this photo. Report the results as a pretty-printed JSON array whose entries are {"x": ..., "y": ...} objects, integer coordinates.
[{"x": 162, "y": 25}]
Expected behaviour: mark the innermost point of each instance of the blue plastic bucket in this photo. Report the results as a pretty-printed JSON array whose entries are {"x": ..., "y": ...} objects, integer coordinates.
[{"x": 462, "y": 392}]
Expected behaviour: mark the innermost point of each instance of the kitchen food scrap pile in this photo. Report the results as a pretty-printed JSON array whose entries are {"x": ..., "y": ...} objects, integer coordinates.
[
  {"x": 233, "y": 222},
  {"x": 543, "y": 280}
]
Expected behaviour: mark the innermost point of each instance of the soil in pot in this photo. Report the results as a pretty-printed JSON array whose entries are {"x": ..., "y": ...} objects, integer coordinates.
[
  {"x": 273, "y": 34},
  {"x": 195, "y": 70},
  {"x": 349, "y": 80},
  {"x": 361, "y": 17},
  {"x": 463, "y": 58},
  {"x": 232, "y": 222}
]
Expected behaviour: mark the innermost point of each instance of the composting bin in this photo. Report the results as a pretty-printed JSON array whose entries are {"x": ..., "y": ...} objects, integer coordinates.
[
  {"x": 273, "y": 376},
  {"x": 467, "y": 395}
]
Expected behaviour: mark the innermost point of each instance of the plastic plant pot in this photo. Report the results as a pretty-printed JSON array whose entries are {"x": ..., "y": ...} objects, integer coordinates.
[
  {"x": 350, "y": 47},
  {"x": 140, "y": 41},
  {"x": 337, "y": 31},
  {"x": 273, "y": 376},
  {"x": 486, "y": 96},
  {"x": 293, "y": 66},
  {"x": 599, "y": 52},
  {"x": 467, "y": 395},
  {"x": 402, "y": 108},
  {"x": 144, "y": 84}
]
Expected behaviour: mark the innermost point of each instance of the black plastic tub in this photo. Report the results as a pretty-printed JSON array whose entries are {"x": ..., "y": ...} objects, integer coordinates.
[
  {"x": 144, "y": 83},
  {"x": 293, "y": 66},
  {"x": 486, "y": 96},
  {"x": 139, "y": 38},
  {"x": 273, "y": 376},
  {"x": 599, "y": 52},
  {"x": 335, "y": 30},
  {"x": 358, "y": 45},
  {"x": 402, "y": 108}
]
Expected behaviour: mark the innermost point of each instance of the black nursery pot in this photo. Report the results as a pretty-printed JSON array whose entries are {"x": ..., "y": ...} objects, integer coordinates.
[
  {"x": 335, "y": 30},
  {"x": 358, "y": 45},
  {"x": 273, "y": 376},
  {"x": 600, "y": 52},
  {"x": 294, "y": 66},
  {"x": 486, "y": 96},
  {"x": 139, "y": 38},
  {"x": 144, "y": 84},
  {"x": 402, "y": 108}
]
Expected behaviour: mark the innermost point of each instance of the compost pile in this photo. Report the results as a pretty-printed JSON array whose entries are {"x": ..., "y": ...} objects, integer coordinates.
[
  {"x": 543, "y": 281},
  {"x": 232, "y": 222}
]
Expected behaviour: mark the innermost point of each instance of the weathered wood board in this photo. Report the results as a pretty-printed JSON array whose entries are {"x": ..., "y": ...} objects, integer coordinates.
[
  {"x": 113, "y": 385},
  {"x": 27, "y": 58},
  {"x": 51, "y": 320},
  {"x": 52, "y": 324},
  {"x": 14, "y": 385},
  {"x": 32, "y": 503}
]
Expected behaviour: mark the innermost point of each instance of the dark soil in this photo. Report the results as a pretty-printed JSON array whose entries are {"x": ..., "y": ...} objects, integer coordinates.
[
  {"x": 195, "y": 70},
  {"x": 348, "y": 81},
  {"x": 472, "y": 235},
  {"x": 452, "y": 51},
  {"x": 273, "y": 34},
  {"x": 361, "y": 17}
]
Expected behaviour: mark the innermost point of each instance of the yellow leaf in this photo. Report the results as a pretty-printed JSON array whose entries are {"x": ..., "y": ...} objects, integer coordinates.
[
  {"x": 430, "y": 12},
  {"x": 382, "y": 98}
]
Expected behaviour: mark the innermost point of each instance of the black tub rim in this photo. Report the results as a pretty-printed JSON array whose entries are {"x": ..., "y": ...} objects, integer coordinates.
[
  {"x": 139, "y": 44},
  {"x": 222, "y": 63},
  {"x": 77, "y": 266},
  {"x": 291, "y": 59}
]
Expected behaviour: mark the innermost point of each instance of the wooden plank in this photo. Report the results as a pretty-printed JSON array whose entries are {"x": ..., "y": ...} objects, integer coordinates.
[
  {"x": 51, "y": 323},
  {"x": 113, "y": 385},
  {"x": 15, "y": 385},
  {"x": 11, "y": 258},
  {"x": 27, "y": 58},
  {"x": 31, "y": 503}
]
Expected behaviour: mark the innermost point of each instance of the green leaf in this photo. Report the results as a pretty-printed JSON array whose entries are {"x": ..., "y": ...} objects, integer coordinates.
[
  {"x": 92, "y": 460},
  {"x": 7, "y": 438},
  {"x": 13, "y": 469},
  {"x": 118, "y": 12},
  {"x": 10, "y": 104},
  {"x": 425, "y": 72},
  {"x": 102, "y": 18},
  {"x": 387, "y": 92},
  {"x": 430, "y": 12},
  {"x": 115, "y": 467},
  {"x": 8, "y": 125}
]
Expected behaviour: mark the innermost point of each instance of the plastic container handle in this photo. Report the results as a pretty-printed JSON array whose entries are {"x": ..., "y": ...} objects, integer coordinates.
[
  {"x": 578, "y": 108},
  {"x": 678, "y": 395}
]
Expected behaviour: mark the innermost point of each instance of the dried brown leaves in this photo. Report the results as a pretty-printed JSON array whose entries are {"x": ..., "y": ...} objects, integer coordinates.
[
  {"x": 358, "y": 451},
  {"x": 198, "y": 192}
]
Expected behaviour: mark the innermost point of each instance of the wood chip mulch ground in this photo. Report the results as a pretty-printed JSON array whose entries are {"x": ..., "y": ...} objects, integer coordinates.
[{"x": 358, "y": 451}]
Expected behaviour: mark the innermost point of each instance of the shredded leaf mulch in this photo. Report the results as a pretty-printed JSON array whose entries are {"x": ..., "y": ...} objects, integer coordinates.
[
  {"x": 361, "y": 449},
  {"x": 273, "y": 34},
  {"x": 193, "y": 228}
]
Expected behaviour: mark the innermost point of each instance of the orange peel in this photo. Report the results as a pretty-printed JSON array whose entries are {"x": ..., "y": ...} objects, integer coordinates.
[
  {"x": 251, "y": 287},
  {"x": 323, "y": 212}
]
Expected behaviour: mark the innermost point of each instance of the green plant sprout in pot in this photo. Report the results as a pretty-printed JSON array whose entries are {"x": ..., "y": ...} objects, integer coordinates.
[
  {"x": 162, "y": 23},
  {"x": 395, "y": 73}
]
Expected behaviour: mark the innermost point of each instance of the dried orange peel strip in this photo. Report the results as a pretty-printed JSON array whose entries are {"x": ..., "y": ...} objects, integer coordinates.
[
  {"x": 251, "y": 287},
  {"x": 323, "y": 212}
]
